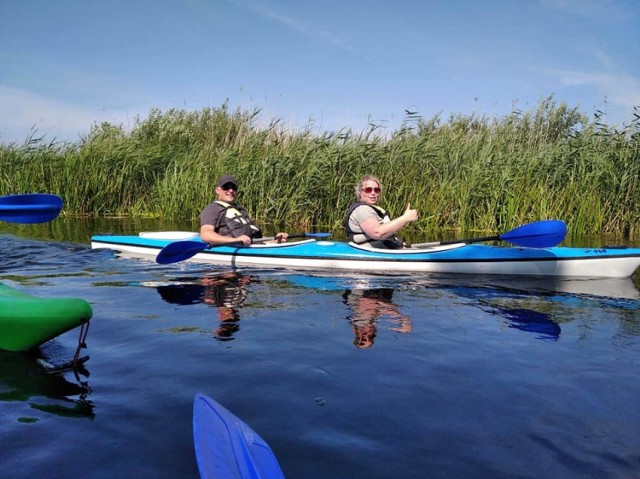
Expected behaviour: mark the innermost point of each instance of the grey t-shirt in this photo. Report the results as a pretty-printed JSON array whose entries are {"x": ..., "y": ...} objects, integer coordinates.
[{"x": 360, "y": 214}]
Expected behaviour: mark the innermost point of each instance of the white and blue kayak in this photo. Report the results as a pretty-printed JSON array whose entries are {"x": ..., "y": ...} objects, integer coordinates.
[
  {"x": 456, "y": 258},
  {"x": 226, "y": 447}
]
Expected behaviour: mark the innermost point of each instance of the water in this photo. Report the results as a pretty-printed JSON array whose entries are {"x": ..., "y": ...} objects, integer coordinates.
[{"x": 344, "y": 376}]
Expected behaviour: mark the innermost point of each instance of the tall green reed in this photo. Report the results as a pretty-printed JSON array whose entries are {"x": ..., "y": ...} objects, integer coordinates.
[{"x": 467, "y": 172}]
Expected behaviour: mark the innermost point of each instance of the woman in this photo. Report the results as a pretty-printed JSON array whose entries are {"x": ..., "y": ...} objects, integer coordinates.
[{"x": 366, "y": 222}]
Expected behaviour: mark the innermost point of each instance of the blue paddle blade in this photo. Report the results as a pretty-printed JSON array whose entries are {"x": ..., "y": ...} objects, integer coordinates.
[
  {"x": 540, "y": 234},
  {"x": 180, "y": 251},
  {"x": 227, "y": 447},
  {"x": 30, "y": 208}
]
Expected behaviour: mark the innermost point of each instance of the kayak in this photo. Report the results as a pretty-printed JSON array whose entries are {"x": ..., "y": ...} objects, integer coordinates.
[
  {"x": 26, "y": 321},
  {"x": 228, "y": 448},
  {"x": 457, "y": 258}
]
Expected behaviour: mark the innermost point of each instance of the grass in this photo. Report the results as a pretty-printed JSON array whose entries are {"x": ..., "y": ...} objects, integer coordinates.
[{"x": 466, "y": 173}]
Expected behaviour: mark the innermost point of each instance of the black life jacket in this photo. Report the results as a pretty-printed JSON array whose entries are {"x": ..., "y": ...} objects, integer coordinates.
[
  {"x": 234, "y": 221},
  {"x": 392, "y": 242}
]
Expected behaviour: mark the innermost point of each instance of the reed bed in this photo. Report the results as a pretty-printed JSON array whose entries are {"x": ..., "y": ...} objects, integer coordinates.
[{"x": 466, "y": 173}]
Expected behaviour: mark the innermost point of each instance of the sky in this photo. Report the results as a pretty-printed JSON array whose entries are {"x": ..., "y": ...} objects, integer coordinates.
[{"x": 324, "y": 65}]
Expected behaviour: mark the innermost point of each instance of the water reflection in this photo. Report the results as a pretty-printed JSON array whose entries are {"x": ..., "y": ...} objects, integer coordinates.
[
  {"x": 502, "y": 303},
  {"x": 370, "y": 299},
  {"x": 225, "y": 291},
  {"x": 531, "y": 321},
  {"x": 368, "y": 308},
  {"x": 23, "y": 378}
]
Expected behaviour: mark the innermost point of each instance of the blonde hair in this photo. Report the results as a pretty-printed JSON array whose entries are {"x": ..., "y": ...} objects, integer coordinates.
[{"x": 361, "y": 183}]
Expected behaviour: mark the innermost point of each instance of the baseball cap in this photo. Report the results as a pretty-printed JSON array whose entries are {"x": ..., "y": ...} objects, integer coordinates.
[{"x": 224, "y": 179}]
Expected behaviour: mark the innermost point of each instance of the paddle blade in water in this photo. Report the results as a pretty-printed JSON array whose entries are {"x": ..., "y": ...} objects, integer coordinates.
[
  {"x": 540, "y": 234},
  {"x": 30, "y": 208}
]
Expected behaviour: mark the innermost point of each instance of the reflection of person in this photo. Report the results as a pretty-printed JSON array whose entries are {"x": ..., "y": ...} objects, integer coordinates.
[
  {"x": 369, "y": 305},
  {"x": 366, "y": 222},
  {"x": 224, "y": 221},
  {"x": 226, "y": 291}
]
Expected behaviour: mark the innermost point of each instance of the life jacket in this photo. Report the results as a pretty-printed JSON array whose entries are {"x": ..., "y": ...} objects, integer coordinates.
[
  {"x": 392, "y": 242},
  {"x": 234, "y": 221}
]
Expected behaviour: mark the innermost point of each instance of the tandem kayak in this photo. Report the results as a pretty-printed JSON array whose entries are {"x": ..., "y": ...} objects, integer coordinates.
[
  {"x": 458, "y": 258},
  {"x": 26, "y": 321},
  {"x": 228, "y": 448}
]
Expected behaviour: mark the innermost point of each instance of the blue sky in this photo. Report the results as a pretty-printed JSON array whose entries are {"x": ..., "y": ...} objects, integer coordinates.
[{"x": 332, "y": 64}]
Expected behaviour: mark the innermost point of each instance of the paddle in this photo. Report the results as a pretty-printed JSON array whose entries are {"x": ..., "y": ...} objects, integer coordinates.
[
  {"x": 182, "y": 250},
  {"x": 540, "y": 234},
  {"x": 226, "y": 446},
  {"x": 30, "y": 208}
]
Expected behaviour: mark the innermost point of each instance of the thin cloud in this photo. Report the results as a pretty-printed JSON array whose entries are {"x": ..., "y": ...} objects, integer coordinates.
[
  {"x": 25, "y": 111},
  {"x": 601, "y": 9},
  {"x": 297, "y": 25},
  {"x": 620, "y": 94},
  {"x": 623, "y": 90}
]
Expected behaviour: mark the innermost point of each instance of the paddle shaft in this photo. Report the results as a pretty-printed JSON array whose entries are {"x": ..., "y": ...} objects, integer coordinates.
[
  {"x": 467, "y": 241},
  {"x": 256, "y": 240},
  {"x": 183, "y": 250},
  {"x": 539, "y": 234}
]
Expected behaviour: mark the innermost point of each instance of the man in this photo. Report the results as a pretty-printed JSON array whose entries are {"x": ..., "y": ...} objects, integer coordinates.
[{"x": 224, "y": 221}]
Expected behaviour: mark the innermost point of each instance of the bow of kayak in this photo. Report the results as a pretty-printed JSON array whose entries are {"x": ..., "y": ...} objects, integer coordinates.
[{"x": 27, "y": 321}]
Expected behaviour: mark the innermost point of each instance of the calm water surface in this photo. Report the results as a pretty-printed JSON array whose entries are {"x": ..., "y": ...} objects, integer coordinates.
[{"x": 344, "y": 376}]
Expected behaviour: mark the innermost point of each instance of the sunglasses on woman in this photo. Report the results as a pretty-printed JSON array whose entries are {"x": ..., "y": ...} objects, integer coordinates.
[
  {"x": 369, "y": 189},
  {"x": 229, "y": 186}
]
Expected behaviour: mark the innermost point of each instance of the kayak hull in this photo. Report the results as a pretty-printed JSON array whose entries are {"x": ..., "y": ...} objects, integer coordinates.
[
  {"x": 26, "y": 321},
  {"x": 451, "y": 259}
]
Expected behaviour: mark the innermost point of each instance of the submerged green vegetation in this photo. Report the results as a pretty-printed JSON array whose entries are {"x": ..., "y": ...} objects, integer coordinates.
[{"x": 467, "y": 173}]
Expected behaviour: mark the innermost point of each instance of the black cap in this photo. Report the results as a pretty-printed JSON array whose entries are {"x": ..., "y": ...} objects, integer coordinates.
[{"x": 224, "y": 179}]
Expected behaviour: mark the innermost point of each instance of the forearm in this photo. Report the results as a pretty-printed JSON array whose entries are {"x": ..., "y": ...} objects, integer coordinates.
[
  {"x": 208, "y": 235},
  {"x": 375, "y": 230}
]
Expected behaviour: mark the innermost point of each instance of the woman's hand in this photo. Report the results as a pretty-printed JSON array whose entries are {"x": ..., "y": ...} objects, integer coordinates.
[{"x": 409, "y": 214}]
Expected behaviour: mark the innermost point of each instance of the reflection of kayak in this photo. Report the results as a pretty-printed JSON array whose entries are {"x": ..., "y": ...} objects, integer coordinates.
[
  {"x": 26, "y": 321},
  {"x": 226, "y": 447},
  {"x": 458, "y": 258},
  {"x": 22, "y": 378}
]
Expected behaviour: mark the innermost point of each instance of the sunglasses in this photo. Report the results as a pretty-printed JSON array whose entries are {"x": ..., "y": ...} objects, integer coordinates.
[
  {"x": 368, "y": 190},
  {"x": 229, "y": 186}
]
